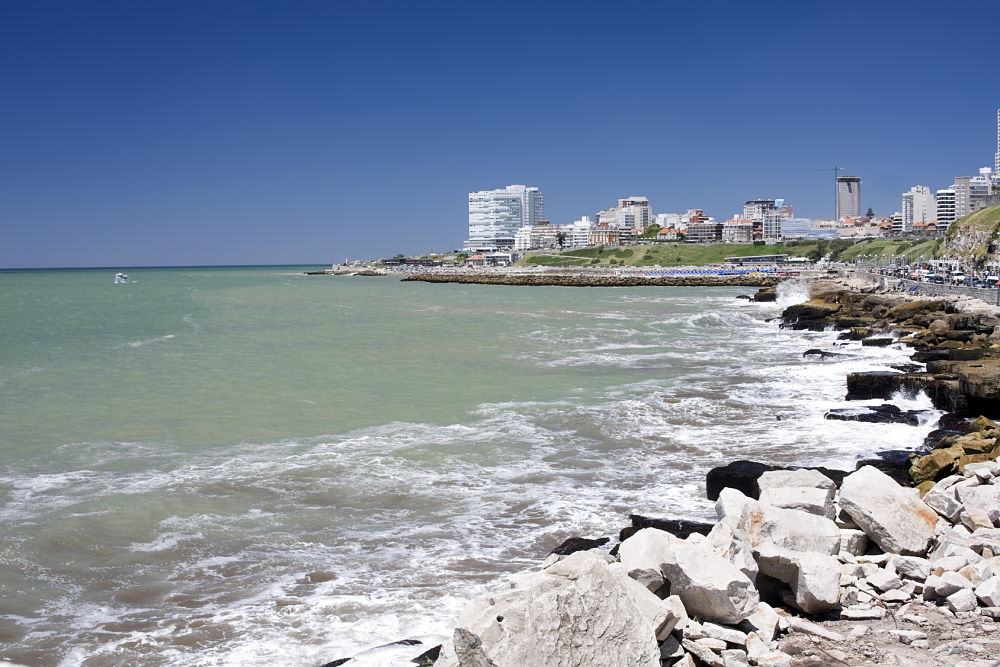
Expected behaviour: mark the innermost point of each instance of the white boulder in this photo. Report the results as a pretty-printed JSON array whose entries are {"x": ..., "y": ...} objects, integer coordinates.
[
  {"x": 578, "y": 611},
  {"x": 893, "y": 517},
  {"x": 710, "y": 586}
]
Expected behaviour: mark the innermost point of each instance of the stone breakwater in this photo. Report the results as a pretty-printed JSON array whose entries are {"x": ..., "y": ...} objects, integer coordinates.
[{"x": 585, "y": 280}]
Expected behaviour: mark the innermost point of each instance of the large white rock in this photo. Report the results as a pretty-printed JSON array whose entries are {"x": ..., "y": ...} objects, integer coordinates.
[
  {"x": 577, "y": 612},
  {"x": 893, "y": 517},
  {"x": 912, "y": 567},
  {"x": 732, "y": 542},
  {"x": 985, "y": 498},
  {"x": 813, "y": 577},
  {"x": 710, "y": 586},
  {"x": 764, "y": 621},
  {"x": 733, "y": 507},
  {"x": 944, "y": 503},
  {"x": 803, "y": 498},
  {"x": 661, "y": 614},
  {"x": 641, "y": 556},
  {"x": 853, "y": 542},
  {"x": 988, "y": 592},
  {"x": 804, "y": 478},
  {"x": 795, "y": 530}
]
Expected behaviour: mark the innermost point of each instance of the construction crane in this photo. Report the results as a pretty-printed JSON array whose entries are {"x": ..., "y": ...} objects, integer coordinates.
[{"x": 836, "y": 172}]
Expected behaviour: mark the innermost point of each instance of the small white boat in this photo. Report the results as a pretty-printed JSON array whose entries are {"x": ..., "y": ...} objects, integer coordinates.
[{"x": 121, "y": 278}]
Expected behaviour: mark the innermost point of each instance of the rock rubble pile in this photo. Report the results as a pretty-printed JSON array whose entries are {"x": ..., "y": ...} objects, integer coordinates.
[{"x": 803, "y": 549}]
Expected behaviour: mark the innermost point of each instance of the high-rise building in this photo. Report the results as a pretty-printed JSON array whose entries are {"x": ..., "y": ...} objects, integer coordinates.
[
  {"x": 496, "y": 215},
  {"x": 918, "y": 206},
  {"x": 848, "y": 197},
  {"x": 996, "y": 158},
  {"x": 945, "y": 208}
]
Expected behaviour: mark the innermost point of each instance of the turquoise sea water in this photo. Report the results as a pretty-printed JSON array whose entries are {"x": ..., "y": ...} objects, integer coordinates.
[{"x": 254, "y": 466}]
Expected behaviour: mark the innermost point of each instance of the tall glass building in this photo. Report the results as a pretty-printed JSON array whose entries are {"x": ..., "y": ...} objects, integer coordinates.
[{"x": 496, "y": 215}]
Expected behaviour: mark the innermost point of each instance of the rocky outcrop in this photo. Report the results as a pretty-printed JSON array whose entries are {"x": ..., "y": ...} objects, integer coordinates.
[{"x": 961, "y": 347}]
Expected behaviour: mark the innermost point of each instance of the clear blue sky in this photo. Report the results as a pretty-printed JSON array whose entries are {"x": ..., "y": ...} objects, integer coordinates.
[{"x": 161, "y": 132}]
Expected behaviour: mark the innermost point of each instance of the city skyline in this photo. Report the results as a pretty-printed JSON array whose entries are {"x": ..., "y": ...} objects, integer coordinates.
[{"x": 264, "y": 132}]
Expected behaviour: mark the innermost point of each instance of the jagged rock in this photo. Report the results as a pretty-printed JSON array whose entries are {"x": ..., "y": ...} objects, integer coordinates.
[
  {"x": 574, "y": 544},
  {"x": 710, "y": 586},
  {"x": 936, "y": 465},
  {"x": 805, "y": 477},
  {"x": 962, "y": 600},
  {"x": 806, "y": 490},
  {"x": 739, "y": 475},
  {"x": 912, "y": 567},
  {"x": 763, "y": 622},
  {"x": 662, "y": 615},
  {"x": 988, "y": 592},
  {"x": 576, "y": 612},
  {"x": 726, "y": 634},
  {"x": 878, "y": 414},
  {"x": 798, "y": 531},
  {"x": 813, "y": 577},
  {"x": 894, "y": 518},
  {"x": 681, "y": 528},
  {"x": 944, "y": 503},
  {"x": 985, "y": 498},
  {"x": 884, "y": 580},
  {"x": 733, "y": 541},
  {"x": 702, "y": 653},
  {"x": 853, "y": 542},
  {"x": 643, "y": 554},
  {"x": 950, "y": 582},
  {"x": 731, "y": 505}
]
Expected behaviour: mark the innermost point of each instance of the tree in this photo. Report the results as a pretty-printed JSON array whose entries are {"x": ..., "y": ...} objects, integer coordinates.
[
  {"x": 871, "y": 214},
  {"x": 651, "y": 231},
  {"x": 561, "y": 239}
]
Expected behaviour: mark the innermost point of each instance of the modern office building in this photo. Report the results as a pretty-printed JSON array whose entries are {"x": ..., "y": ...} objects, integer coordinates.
[
  {"x": 848, "y": 197},
  {"x": 918, "y": 206},
  {"x": 496, "y": 215},
  {"x": 945, "y": 208}
]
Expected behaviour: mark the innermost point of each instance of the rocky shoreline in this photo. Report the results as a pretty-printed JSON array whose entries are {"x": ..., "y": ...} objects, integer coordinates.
[{"x": 804, "y": 566}]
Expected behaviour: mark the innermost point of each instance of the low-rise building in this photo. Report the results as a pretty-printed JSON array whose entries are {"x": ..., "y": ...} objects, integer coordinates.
[
  {"x": 703, "y": 232},
  {"x": 737, "y": 230}
]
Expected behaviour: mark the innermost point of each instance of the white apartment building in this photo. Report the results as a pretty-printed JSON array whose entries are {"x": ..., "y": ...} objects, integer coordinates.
[
  {"x": 945, "y": 208},
  {"x": 631, "y": 213},
  {"x": 755, "y": 209},
  {"x": 577, "y": 232},
  {"x": 634, "y": 213},
  {"x": 918, "y": 206},
  {"x": 771, "y": 230},
  {"x": 496, "y": 215}
]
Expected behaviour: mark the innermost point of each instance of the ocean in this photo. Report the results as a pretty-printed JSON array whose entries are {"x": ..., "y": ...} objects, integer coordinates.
[{"x": 251, "y": 466}]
